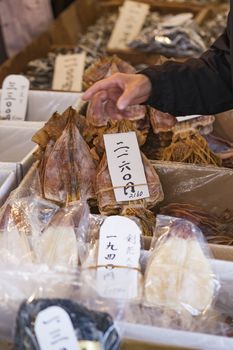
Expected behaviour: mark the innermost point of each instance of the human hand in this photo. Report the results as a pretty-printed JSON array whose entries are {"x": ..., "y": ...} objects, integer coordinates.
[{"x": 124, "y": 89}]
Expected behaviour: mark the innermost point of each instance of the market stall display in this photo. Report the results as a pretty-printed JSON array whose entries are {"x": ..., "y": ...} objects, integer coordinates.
[{"x": 73, "y": 250}]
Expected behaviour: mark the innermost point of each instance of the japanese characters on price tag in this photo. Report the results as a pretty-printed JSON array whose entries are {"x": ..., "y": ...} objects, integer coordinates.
[
  {"x": 54, "y": 330},
  {"x": 119, "y": 245},
  {"x": 128, "y": 25},
  {"x": 125, "y": 166},
  {"x": 188, "y": 117},
  {"x": 14, "y": 97},
  {"x": 68, "y": 72}
]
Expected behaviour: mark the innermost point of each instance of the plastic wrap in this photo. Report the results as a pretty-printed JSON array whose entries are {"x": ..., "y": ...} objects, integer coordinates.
[
  {"x": 45, "y": 318},
  {"x": 33, "y": 230},
  {"x": 179, "y": 276},
  {"x": 106, "y": 259},
  {"x": 212, "y": 330}
]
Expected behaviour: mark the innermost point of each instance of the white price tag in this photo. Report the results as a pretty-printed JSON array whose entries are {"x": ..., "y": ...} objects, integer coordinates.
[
  {"x": 68, "y": 72},
  {"x": 14, "y": 97},
  {"x": 119, "y": 245},
  {"x": 126, "y": 167},
  {"x": 188, "y": 117},
  {"x": 128, "y": 24},
  {"x": 54, "y": 330}
]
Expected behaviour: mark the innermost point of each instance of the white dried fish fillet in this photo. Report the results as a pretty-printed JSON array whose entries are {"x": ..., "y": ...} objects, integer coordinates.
[
  {"x": 58, "y": 247},
  {"x": 179, "y": 276}
]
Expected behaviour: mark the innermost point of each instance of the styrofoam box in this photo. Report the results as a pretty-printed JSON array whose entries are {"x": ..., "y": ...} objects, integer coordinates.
[
  {"x": 16, "y": 147},
  {"x": 42, "y": 104},
  {"x": 7, "y": 184},
  {"x": 157, "y": 335}
]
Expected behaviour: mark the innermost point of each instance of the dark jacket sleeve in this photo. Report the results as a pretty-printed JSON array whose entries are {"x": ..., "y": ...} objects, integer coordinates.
[{"x": 197, "y": 86}]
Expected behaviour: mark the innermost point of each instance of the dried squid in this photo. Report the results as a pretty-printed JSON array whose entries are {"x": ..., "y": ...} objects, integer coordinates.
[
  {"x": 105, "y": 193},
  {"x": 67, "y": 171}
]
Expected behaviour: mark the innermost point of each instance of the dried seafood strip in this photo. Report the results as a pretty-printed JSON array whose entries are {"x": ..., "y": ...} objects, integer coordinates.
[{"x": 217, "y": 229}]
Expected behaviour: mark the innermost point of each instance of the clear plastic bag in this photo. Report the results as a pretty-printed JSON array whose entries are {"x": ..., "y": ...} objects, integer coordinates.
[
  {"x": 179, "y": 276},
  {"x": 106, "y": 263},
  {"x": 33, "y": 230}
]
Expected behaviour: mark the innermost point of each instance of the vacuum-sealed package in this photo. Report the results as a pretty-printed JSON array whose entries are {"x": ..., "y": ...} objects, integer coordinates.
[
  {"x": 179, "y": 275},
  {"x": 63, "y": 324},
  {"x": 111, "y": 260}
]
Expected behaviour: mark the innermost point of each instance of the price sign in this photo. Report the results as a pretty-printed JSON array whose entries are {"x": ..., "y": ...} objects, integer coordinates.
[
  {"x": 54, "y": 330},
  {"x": 68, "y": 72},
  {"x": 129, "y": 23},
  {"x": 126, "y": 167},
  {"x": 14, "y": 97},
  {"x": 119, "y": 245}
]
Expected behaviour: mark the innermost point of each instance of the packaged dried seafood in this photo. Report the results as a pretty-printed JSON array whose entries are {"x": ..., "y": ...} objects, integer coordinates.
[
  {"x": 70, "y": 323},
  {"x": 33, "y": 230},
  {"x": 67, "y": 169},
  {"x": 111, "y": 253},
  {"x": 105, "y": 193},
  {"x": 217, "y": 229},
  {"x": 179, "y": 276},
  {"x": 172, "y": 36},
  {"x": 222, "y": 148}
]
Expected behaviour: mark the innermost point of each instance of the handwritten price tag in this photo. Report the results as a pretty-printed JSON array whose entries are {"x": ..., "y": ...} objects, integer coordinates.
[
  {"x": 68, "y": 72},
  {"x": 128, "y": 25},
  {"x": 126, "y": 167},
  {"x": 54, "y": 330},
  {"x": 14, "y": 97},
  {"x": 119, "y": 245}
]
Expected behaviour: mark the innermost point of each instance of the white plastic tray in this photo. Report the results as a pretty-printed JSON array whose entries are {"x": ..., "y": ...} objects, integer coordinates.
[{"x": 7, "y": 184}]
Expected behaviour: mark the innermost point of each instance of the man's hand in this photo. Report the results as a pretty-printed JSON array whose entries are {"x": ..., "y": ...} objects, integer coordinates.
[{"x": 124, "y": 89}]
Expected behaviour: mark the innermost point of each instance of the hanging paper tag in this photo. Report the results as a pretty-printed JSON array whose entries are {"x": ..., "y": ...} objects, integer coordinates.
[
  {"x": 68, "y": 72},
  {"x": 54, "y": 330},
  {"x": 188, "y": 117},
  {"x": 126, "y": 167},
  {"x": 14, "y": 97},
  {"x": 119, "y": 245},
  {"x": 128, "y": 25}
]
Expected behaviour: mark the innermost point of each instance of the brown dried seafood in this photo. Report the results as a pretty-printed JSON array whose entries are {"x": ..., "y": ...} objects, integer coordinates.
[
  {"x": 105, "y": 193},
  {"x": 146, "y": 217},
  {"x": 100, "y": 111},
  {"x": 67, "y": 170},
  {"x": 189, "y": 147},
  {"x": 218, "y": 229},
  {"x": 222, "y": 148},
  {"x": 161, "y": 122},
  {"x": 103, "y": 68}
]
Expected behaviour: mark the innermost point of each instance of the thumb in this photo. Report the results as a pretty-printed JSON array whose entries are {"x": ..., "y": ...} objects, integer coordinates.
[{"x": 126, "y": 98}]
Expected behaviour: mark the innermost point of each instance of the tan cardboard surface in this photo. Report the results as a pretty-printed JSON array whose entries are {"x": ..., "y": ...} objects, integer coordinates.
[{"x": 128, "y": 344}]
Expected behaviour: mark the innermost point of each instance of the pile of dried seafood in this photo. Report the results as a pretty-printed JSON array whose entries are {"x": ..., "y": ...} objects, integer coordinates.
[{"x": 218, "y": 229}]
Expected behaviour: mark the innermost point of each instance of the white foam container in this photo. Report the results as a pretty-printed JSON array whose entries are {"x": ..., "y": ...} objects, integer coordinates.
[{"x": 42, "y": 104}]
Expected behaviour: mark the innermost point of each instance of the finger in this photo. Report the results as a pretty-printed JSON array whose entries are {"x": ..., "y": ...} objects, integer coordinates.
[
  {"x": 100, "y": 85},
  {"x": 127, "y": 98}
]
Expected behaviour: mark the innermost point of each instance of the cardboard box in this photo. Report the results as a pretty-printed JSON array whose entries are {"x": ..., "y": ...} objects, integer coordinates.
[{"x": 7, "y": 184}]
